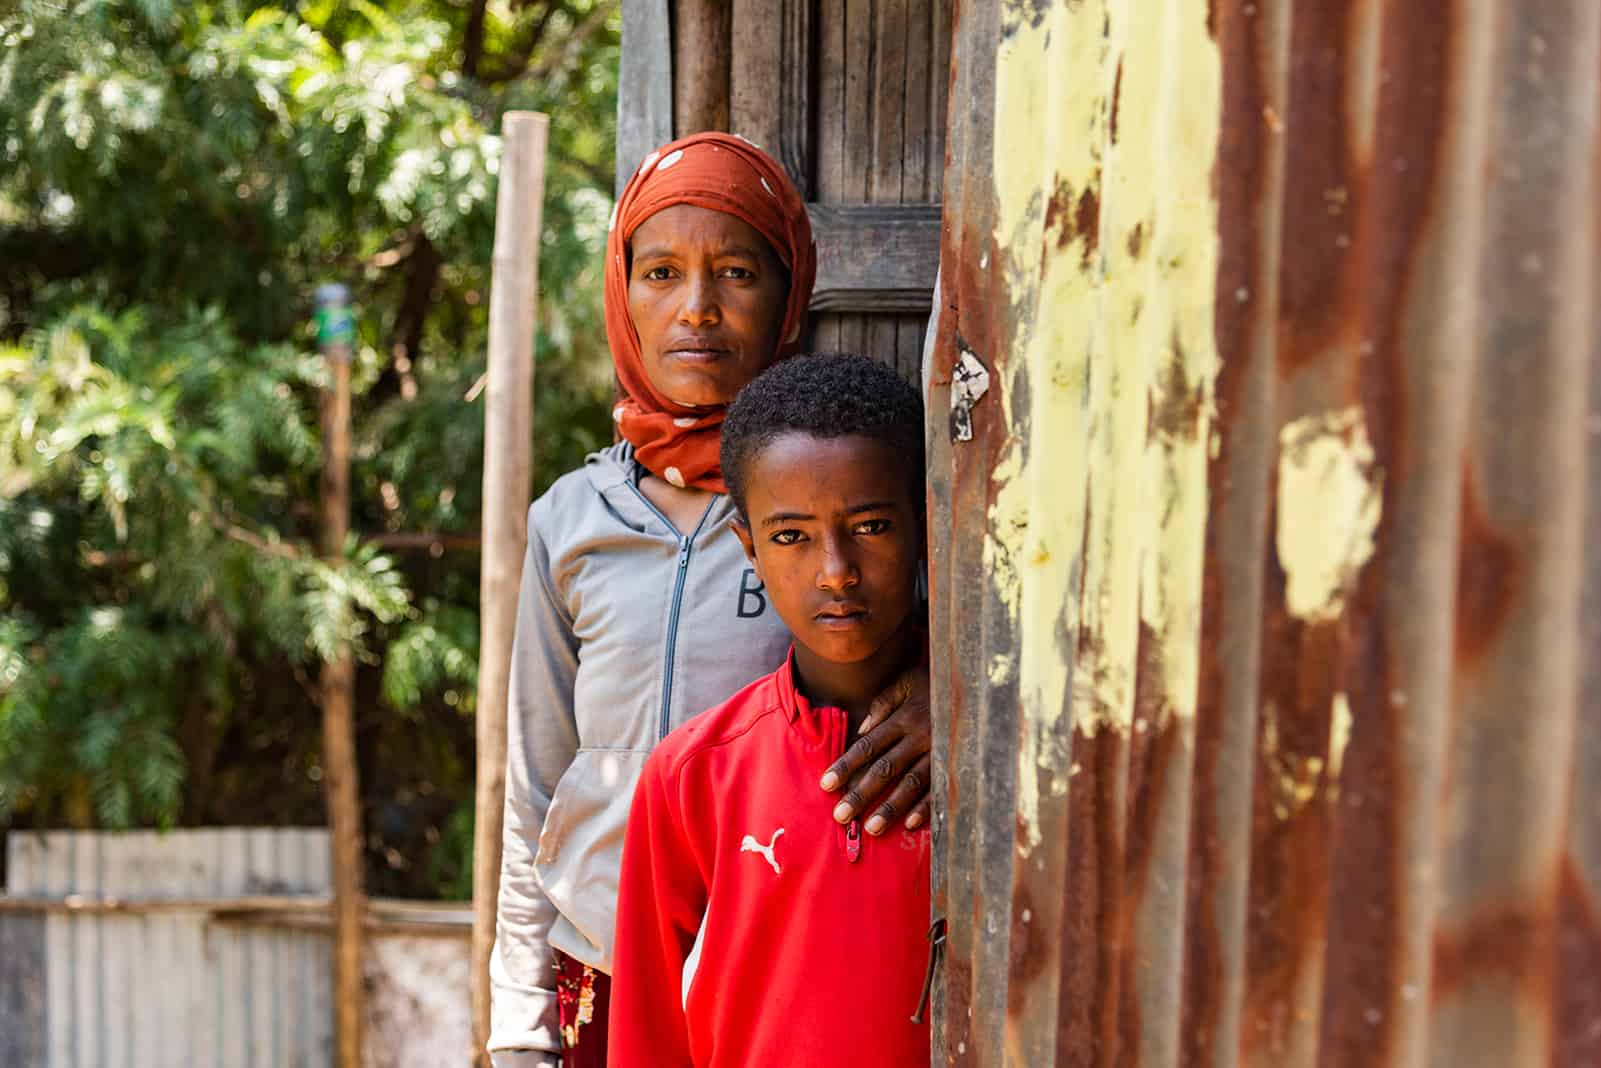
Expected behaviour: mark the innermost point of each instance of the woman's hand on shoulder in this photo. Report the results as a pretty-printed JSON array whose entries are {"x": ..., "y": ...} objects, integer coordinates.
[{"x": 887, "y": 768}]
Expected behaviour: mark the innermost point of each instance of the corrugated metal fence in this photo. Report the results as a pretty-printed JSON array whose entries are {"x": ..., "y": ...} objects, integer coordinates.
[
  {"x": 211, "y": 948},
  {"x": 1268, "y": 734},
  {"x": 153, "y": 988}
]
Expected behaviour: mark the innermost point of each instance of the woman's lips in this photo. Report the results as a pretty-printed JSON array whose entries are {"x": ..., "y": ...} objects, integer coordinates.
[{"x": 706, "y": 354}]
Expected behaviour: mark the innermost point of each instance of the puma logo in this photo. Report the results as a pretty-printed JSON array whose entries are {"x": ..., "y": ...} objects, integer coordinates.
[{"x": 751, "y": 845}]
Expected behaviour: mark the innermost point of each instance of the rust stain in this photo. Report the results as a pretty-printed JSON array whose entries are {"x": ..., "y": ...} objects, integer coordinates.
[
  {"x": 1287, "y": 895},
  {"x": 1093, "y": 927},
  {"x": 1136, "y": 240},
  {"x": 958, "y": 1006},
  {"x": 1363, "y": 963},
  {"x": 1240, "y": 186},
  {"x": 1058, "y": 212},
  {"x": 1489, "y": 573},
  {"x": 1070, "y": 216},
  {"x": 975, "y": 301},
  {"x": 1029, "y": 952},
  {"x": 1579, "y": 964},
  {"x": 1117, "y": 99},
  {"x": 1175, "y": 407},
  {"x": 1408, "y": 140},
  {"x": 1512, "y": 940},
  {"x": 1323, "y": 194},
  {"x": 1367, "y": 963},
  {"x": 1087, "y": 221},
  {"x": 1155, "y": 745}
]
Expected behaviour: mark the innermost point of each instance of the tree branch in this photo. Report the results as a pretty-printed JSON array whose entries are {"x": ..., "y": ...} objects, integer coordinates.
[
  {"x": 472, "y": 49},
  {"x": 570, "y": 49},
  {"x": 516, "y": 65}
]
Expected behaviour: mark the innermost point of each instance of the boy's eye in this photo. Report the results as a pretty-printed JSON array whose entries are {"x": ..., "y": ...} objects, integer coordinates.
[
  {"x": 787, "y": 537},
  {"x": 873, "y": 526}
]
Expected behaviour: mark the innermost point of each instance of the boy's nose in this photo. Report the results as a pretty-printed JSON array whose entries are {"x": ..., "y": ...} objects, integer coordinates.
[{"x": 836, "y": 572}]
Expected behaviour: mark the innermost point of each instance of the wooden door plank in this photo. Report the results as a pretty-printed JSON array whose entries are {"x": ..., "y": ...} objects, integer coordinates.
[
  {"x": 916, "y": 132},
  {"x": 755, "y": 109},
  {"x": 701, "y": 46},
  {"x": 941, "y": 21},
  {"x": 890, "y": 100},
  {"x": 774, "y": 109},
  {"x": 831, "y": 151},
  {"x": 909, "y": 347},
  {"x": 645, "y": 85}
]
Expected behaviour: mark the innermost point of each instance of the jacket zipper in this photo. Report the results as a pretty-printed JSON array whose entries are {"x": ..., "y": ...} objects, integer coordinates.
[
  {"x": 685, "y": 544},
  {"x": 853, "y": 829}
]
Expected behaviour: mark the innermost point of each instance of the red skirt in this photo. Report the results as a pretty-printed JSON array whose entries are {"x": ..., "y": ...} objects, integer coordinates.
[{"x": 583, "y": 999}]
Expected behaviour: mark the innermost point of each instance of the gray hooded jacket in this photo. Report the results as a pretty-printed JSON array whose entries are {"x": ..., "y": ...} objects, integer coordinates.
[{"x": 626, "y": 627}]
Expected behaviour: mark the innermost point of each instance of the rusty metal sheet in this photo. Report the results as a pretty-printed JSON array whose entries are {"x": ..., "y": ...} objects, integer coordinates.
[{"x": 1260, "y": 572}]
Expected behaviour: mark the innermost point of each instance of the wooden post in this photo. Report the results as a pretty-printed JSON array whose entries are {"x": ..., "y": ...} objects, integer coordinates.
[
  {"x": 340, "y": 777},
  {"x": 702, "y": 61},
  {"x": 508, "y": 481}
]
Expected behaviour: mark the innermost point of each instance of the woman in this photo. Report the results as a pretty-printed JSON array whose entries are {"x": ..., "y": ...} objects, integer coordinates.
[{"x": 638, "y": 609}]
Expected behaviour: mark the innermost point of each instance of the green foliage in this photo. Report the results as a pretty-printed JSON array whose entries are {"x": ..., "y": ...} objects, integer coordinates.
[
  {"x": 434, "y": 653},
  {"x": 175, "y": 179}
]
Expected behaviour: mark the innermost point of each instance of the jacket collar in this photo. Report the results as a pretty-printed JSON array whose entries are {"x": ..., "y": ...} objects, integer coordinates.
[
  {"x": 814, "y": 723},
  {"x": 797, "y": 709}
]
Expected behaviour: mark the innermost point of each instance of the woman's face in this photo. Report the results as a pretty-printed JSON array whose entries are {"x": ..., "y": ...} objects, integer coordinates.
[{"x": 706, "y": 294}]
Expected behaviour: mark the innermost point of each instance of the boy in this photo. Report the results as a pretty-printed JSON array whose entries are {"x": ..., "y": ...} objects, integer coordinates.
[{"x": 751, "y": 928}]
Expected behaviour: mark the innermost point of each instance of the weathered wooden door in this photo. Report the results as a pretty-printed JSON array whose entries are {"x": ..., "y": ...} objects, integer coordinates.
[{"x": 851, "y": 96}]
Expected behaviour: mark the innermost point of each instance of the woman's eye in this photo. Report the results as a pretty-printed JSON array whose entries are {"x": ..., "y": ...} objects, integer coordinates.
[
  {"x": 659, "y": 274},
  {"x": 873, "y": 526},
  {"x": 787, "y": 537},
  {"x": 740, "y": 273}
]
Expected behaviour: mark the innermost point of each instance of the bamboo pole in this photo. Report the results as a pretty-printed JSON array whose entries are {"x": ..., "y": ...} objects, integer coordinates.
[
  {"x": 340, "y": 776},
  {"x": 508, "y": 481}
]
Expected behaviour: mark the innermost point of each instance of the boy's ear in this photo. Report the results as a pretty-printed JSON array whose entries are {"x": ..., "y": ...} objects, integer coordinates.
[{"x": 742, "y": 532}]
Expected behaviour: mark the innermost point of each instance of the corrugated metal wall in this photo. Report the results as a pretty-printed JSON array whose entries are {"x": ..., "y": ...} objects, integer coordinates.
[
  {"x": 1268, "y": 728},
  {"x": 158, "y": 989}
]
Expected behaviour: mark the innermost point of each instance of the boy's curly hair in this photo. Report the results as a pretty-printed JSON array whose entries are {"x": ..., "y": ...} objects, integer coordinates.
[{"x": 826, "y": 395}]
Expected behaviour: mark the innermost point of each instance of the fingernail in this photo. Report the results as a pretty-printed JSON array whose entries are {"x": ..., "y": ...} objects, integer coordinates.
[
  {"x": 915, "y": 821},
  {"x": 867, "y": 725},
  {"x": 875, "y": 825},
  {"x": 830, "y": 781},
  {"x": 842, "y": 812}
]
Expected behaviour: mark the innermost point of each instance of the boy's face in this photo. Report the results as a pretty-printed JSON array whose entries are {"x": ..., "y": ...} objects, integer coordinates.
[{"x": 835, "y": 535}]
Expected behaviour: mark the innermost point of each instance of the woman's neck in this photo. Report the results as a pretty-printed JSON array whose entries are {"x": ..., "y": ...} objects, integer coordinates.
[
  {"x": 852, "y": 687},
  {"x": 683, "y": 507}
]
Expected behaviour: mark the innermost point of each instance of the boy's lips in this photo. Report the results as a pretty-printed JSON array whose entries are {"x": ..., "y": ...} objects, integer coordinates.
[{"x": 841, "y": 616}]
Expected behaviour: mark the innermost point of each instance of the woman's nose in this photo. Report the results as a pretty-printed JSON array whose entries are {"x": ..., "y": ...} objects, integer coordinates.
[{"x": 700, "y": 300}]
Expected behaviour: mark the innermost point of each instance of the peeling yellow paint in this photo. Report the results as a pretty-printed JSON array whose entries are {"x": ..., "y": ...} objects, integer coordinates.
[
  {"x": 1293, "y": 778},
  {"x": 1339, "y": 737},
  {"x": 1329, "y": 503},
  {"x": 1110, "y": 262}
]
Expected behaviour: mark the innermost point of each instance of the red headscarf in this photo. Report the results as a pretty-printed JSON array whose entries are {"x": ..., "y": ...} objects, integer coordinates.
[{"x": 727, "y": 174}]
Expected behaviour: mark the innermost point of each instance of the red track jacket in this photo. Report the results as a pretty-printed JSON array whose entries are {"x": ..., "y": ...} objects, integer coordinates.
[{"x": 753, "y": 930}]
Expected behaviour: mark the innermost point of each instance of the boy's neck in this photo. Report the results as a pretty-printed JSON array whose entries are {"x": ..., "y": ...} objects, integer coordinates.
[{"x": 852, "y": 687}]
